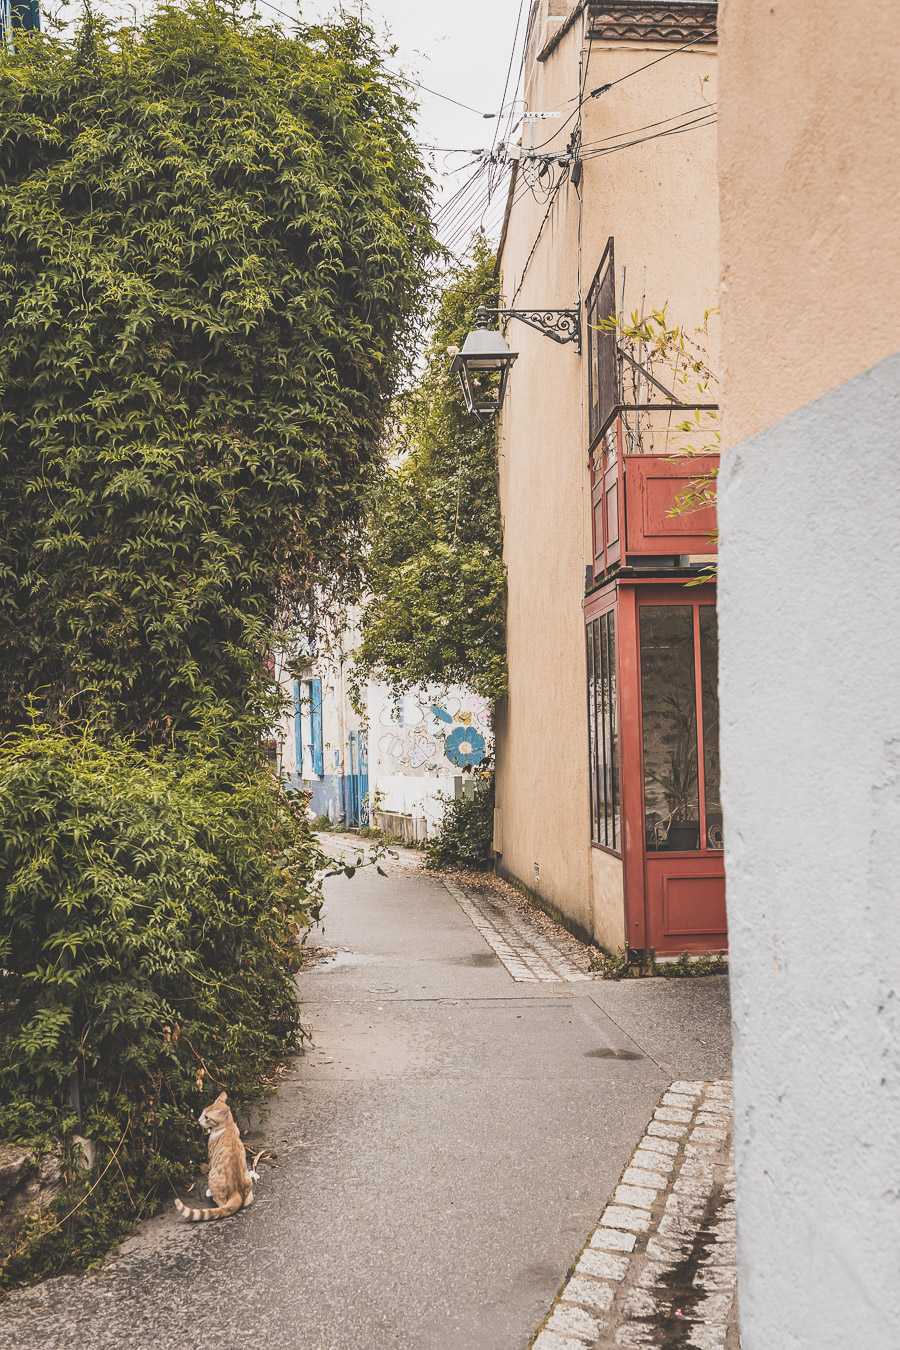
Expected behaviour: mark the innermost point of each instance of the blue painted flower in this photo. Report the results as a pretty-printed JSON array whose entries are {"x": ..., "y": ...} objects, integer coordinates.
[{"x": 464, "y": 747}]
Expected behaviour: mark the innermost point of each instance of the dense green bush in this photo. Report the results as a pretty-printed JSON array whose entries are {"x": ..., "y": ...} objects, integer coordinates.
[
  {"x": 466, "y": 835},
  {"x": 436, "y": 609},
  {"x": 149, "y": 913},
  {"x": 213, "y": 239}
]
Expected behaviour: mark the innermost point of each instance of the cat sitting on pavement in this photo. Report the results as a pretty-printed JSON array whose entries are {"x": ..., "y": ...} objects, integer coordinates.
[{"x": 230, "y": 1180}]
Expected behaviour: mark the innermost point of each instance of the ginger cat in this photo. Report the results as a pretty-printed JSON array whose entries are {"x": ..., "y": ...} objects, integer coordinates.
[{"x": 230, "y": 1181}]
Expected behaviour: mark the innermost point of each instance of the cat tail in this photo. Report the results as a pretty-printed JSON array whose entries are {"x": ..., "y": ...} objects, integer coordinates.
[{"x": 231, "y": 1206}]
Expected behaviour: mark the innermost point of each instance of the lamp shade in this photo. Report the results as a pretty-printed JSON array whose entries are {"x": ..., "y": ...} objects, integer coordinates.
[{"x": 483, "y": 368}]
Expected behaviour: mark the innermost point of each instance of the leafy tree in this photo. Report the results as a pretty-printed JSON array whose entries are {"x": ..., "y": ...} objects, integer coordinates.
[
  {"x": 212, "y": 239},
  {"x": 434, "y": 568}
]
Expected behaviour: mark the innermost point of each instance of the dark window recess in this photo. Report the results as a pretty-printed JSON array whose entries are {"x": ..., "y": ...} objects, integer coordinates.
[
  {"x": 603, "y": 738},
  {"x": 669, "y": 709},
  {"x": 603, "y": 364},
  {"x": 709, "y": 673}
]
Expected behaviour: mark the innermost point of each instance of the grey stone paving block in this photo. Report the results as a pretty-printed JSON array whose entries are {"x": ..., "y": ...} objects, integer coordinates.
[
  {"x": 653, "y": 1160},
  {"x": 589, "y": 1293},
  {"x": 551, "y": 1340},
  {"x": 642, "y": 1197},
  {"x": 612, "y": 1240},
  {"x": 636, "y": 1336},
  {"x": 619, "y": 1216},
  {"x": 643, "y": 1176},
  {"x": 570, "y": 1320},
  {"x": 666, "y": 1129},
  {"x": 604, "y": 1265},
  {"x": 706, "y": 1338}
]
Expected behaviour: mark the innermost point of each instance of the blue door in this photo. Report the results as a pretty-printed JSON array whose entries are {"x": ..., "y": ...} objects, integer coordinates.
[{"x": 358, "y": 780}]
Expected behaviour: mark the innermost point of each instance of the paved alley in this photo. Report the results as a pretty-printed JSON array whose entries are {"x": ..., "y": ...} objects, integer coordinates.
[{"x": 434, "y": 1163}]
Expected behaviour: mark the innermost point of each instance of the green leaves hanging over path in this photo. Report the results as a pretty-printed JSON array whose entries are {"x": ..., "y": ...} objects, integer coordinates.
[{"x": 213, "y": 239}]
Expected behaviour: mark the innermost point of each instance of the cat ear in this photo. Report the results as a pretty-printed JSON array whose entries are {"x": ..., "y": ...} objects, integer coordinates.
[{"x": 223, "y": 1097}]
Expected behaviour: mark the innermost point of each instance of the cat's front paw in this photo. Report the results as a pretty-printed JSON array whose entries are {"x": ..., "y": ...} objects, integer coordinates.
[{"x": 209, "y": 1195}]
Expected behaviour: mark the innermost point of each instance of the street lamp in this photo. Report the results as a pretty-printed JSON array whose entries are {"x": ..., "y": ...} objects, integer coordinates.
[
  {"x": 484, "y": 362},
  {"x": 483, "y": 367}
]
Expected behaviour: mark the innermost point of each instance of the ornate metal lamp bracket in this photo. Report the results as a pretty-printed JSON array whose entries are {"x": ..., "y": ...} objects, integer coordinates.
[{"x": 562, "y": 325}]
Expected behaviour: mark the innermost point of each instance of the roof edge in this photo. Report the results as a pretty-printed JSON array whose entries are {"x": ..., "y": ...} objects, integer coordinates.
[{"x": 641, "y": 21}]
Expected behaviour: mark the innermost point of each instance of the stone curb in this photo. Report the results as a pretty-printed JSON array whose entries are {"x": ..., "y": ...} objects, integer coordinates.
[{"x": 663, "y": 1253}]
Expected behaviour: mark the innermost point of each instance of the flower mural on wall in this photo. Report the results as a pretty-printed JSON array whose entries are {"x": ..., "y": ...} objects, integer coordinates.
[
  {"x": 464, "y": 747},
  {"x": 432, "y": 737}
]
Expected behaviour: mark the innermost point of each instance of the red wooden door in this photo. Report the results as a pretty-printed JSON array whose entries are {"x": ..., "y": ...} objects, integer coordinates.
[{"x": 683, "y": 862}]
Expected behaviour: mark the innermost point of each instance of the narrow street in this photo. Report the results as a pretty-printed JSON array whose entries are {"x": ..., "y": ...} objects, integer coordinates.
[{"x": 434, "y": 1162}]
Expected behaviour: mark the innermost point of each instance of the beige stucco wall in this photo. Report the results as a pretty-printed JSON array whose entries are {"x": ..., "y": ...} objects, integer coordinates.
[
  {"x": 609, "y": 899},
  {"x": 659, "y": 200},
  {"x": 810, "y": 201}
]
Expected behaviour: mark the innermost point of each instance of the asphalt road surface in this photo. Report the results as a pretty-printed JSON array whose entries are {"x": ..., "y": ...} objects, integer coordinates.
[{"x": 434, "y": 1162}]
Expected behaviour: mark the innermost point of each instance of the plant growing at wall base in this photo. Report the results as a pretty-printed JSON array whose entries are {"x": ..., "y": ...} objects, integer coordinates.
[
  {"x": 465, "y": 837},
  {"x": 628, "y": 963}
]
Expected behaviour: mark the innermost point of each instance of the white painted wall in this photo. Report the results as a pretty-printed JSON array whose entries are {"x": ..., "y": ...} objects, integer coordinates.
[
  {"x": 810, "y": 740},
  {"x": 408, "y": 767}
]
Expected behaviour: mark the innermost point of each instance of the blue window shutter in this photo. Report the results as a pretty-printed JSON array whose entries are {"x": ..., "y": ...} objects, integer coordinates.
[
  {"x": 315, "y": 699},
  {"x": 298, "y": 729},
  {"x": 25, "y": 14}
]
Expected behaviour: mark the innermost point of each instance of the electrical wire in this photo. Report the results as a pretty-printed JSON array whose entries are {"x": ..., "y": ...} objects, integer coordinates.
[
  {"x": 464, "y": 211},
  {"x": 512, "y": 57},
  {"x": 537, "y": 237},
  {"x": 697, "y": 124},
  {"x": 417, "y": 84},
  {"x": 648, "y": 126},
  {"x": 665, "y": 56},
  {"x": 453, "y": 204}
]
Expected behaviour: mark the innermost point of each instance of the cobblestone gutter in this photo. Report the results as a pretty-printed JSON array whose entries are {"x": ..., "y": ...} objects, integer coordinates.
[{"x": 660, "y": 1268}]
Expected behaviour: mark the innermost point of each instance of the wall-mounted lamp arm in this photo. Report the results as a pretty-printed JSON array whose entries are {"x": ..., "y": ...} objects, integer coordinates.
[{"x": 562, "y": 325}]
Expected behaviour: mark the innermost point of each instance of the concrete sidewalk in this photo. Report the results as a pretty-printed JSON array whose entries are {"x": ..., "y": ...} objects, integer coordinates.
[{"x": 440, "y": 1155}]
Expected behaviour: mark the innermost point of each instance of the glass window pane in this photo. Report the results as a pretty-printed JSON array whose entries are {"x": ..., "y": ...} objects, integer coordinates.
[
  {"x": 599, "y": 686},
  {"x": 709, "y": 675},
  {"x": 607, "y": 729},
  {"x": 614, "y": 737},
  {"x": 592, "y": 728},
  {"x": 669, "y": 714}
]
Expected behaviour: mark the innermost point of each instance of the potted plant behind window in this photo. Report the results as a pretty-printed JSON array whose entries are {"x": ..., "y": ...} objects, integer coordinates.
[{"x": 681, "y": 824}]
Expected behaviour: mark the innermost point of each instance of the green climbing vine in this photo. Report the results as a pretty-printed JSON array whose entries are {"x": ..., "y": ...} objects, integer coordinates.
[{"x": 434, "y": 566}]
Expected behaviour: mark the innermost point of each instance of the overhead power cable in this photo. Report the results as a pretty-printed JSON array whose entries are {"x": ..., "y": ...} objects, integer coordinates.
[
  {"x": 537, "y": 237},
  {"x": 512, "y": 57},
  {"x": 697, "y": 124},
  {"x": 617, "y": 135}
]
